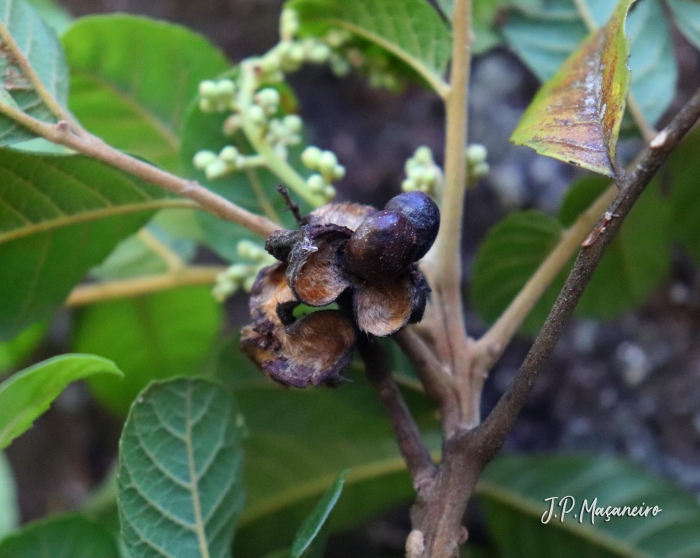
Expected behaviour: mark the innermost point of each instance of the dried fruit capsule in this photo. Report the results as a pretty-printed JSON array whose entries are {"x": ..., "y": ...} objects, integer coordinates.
[
  {"x": 382, "y": 246},
  {"x": 424, "y": 215}
]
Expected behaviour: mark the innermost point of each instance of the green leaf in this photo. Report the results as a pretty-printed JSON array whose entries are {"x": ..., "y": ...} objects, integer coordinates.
[
  {"x": 634, "y": 265},
  {"x": 685, "y": 225},
  {"x": 411, "y": 30},
  {"x": 52, "y": 13},
  {"x": 638, "y": 259},
  {"x": 252, "y": 189},
  {"x": 576, "y": 116},
  {"x": 27, "y": 394},
  {"x": 507, "y": 258},
  {"x": 513, "y": 492},
  {"x": 38, "y": 41},
  {"x": 150, "y": 337},
  {"x": 308, "y": 534},
  {"x": 63, "y": 536},
  {"x": 9, "y": 509},
  {"x": 545, "y": 37},
  {"x": 686, "y": 14},
  {"x": 298, "y": 443},
  {"x": 17, "y": 350},
  {"x": 60, "y": 216},
  {"x": 180, "y": 471},
  {"x": 132, "y": 78}
]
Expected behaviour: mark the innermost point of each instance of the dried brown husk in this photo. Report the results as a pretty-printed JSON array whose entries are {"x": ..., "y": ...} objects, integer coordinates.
[{"x": 344, "y": 214}]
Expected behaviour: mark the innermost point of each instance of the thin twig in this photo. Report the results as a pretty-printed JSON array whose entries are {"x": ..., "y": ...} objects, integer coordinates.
[
  {"x": 172, "y": 260},
  {"x": 127, "y": 288},
  {"x": 293, "y": 207},
  {"x": 415, "y": 452},
  {"x": 492, "y": 433}
]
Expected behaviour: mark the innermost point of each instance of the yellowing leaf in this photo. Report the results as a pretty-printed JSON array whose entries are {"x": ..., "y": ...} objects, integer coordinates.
[{"x": 576, "y": 115}]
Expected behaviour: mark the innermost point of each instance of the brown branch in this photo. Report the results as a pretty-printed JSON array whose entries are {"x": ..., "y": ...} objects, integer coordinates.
[
  {"x": 489, "y": 437},
  {"x": 415, "y": 452}
]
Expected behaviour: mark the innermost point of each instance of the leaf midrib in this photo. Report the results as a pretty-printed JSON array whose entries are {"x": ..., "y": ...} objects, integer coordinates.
[{"x": 94, "y": 215}]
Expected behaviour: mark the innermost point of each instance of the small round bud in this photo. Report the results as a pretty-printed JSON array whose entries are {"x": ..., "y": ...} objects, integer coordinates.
[
  {"x": 423, "y": 155},
  {"x": 229, "y": 155},
  {"x": 311, "y": 157},
  {"x": 289, "y": 23},
  {"x": 296, "y": 53},
  {"x": 238, "y": 272},
  {"x": 208, "y": 88},
  {"x": 205, "y": 105},
  {"x": 223, "y": 289},
  {"x": 429, "y": 175},
  {"x": 225, "y": 88},
  {"x": 283, "y": 48},
  {"x": 336, "y": 38},
  {"x": 415, "y": 172},
  {"x": 268, "y": 99},
  {"x": 232, "y": 124},
  {"x": 257, "y": 115},
  {"x": 327, "y": 163},
  {"x": 424, "y": 215},
  {"x": 408, "y": 185},
  {"x": 248, "y": 283},
  {"x": 339, "y": 65},
  {"x": 480, "y": 169},
  {"x": 270, "y": 62},
  {"x": 216, "y": 169},
  {"x": 329, "y": 192},
  {"x": 339, "y": 172},
  {"x": 382, "y": 246},
  {"x": 316, "y": 183},
  {"x": 476, "y": 153},
  {"x": 293, "y": 123},
  {"x": 203, "y": 159},
  {"x": 249, "y": 250},
  {"x": 319, "y": 53}
]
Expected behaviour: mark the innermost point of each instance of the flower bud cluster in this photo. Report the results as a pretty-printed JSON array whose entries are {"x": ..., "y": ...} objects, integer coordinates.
[
  {"x": 217, "y": 96},
  {"x": 422, "y": 174},
  {"x": 477, "y": 166},
  {"x": 241, "y": 276},
  {"x": 227, "y": 161},
  {"x": 328, "y": 170}
]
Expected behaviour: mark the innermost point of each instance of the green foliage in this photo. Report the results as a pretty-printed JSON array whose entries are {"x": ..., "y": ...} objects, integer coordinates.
[
  {"x": 634, "y": 265},
  {"x": 576, "y": 115},
  {"x": 64, "y": 536},
  {"x": 132, "y": 78},
  {"x": 150, "y": 337},
  {"x": 39, "y": 42},
  {"x": 27, "y": 394},
  {"x": 9, "y": 508},
  {"x": 310, "y": 539},
  {"x": 60, "y": 216},
  {"x": 298, "y": 442},
  {"x": 544, "y": 37},
  {"x": 507, "y": 258},
  {"x": 513, "y": 491},
  {"x": 422, "y": 40},
  {"x": 685, "y": 201},
  {"x": 18, "y": 349},
  {"x": 180, "y": 471},
  {"x": 253, "y": 188}
]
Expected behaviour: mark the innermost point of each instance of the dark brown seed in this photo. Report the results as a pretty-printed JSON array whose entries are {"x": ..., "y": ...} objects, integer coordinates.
[
  {"x": 424, "y": 215},
  {"x": 382, "y": 247}
]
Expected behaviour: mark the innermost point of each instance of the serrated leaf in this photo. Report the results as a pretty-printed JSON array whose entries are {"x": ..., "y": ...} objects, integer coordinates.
[
  {"x": 545, "y": 37},
  {"x": 27, "y": 394},
  {"x": 71, "y": 536},
  {"x": 252, "y": 189},
  {"x": 300, "y": 440},
  {"x": 309, "y": 533},
  {"x": 686, "y": 14},
  {"x": 411, "y": 30},
  {"x": 576, "y": 116},
  {"x": 9, "y": 506},
  {"x": 38, "y": 41},
  {"x": 180, "y": 471},
  {"x": 509, "y": 255},
  {"x": 59, "y": 217},
  {"x": 132, "y": 78},
  {"x": 513, "y": 492},
  {"x": 150, "y": 337}
]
